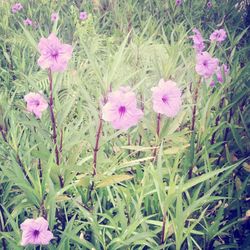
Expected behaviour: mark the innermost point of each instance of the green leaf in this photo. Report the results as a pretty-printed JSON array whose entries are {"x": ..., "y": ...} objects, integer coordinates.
[{"x": 113, "y": 179}]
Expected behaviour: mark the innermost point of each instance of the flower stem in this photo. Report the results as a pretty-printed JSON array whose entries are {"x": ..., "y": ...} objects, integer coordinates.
[
  {"x": 96, "y": 148},
  {"x": 158, "y": 124},
  {"x": 158, "y": 127},
  {"x": 53, "y": 122},
  {"x": 231, "y": 113},
  {"x": 217, "y": 120},
  {"x": 2, "y": 227},
  {"x": 3, "y": 133},
  {"x": 18, "y": 160},
  {"x": 196, "y": 94},
  {"x": 140, "y": 136},
  {"x": 163, "y": 228}
]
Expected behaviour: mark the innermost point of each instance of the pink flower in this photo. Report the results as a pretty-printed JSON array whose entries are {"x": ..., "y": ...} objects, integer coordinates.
[
  {"x": 27, "y": 22},
  {"x": 54, "y": 16},
  {"x": 16, "y": 7},
  {"x": 178, "y": 2},
  {"x": 206, "y": 65},
  {"x": 36, "y": 103},
  {"x": 166, "y": 98},
  {"x": 209, "y": 4},
  {"x": 35, "y": 232},
  {"x": 121, "y": 109},
  {"x": 54, "y": 54},
  {"x": 198, "y": 41},
  {"x": 218, "y": 36},
  {"x": 221, "y": 72},
  {"x": 83, "y": 15},
  {"x": 212, "y": 84}
]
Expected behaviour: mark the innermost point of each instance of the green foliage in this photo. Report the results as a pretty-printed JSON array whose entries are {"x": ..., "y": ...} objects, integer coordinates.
[{"x": 192, "y": 195}]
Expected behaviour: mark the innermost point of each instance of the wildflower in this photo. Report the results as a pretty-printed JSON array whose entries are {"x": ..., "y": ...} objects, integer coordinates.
[
  {"x": 212, "y": 84},
  {"x": 166, "y": 98},
  {"x": 54, "y": 54},
  {"x": 209, "y": 4},
  {"x": 221, "y": 72},
  {"x": 178, "y": 2},
  {"x": 54, "y": 17},
  {"x": 121, "y": 109},
  {"x": 35, "y": 232},
  {"x": 198, "y": 41},
  {"x": 206, "y": 65},
  {"x": 27, "y": 22},
  {"x": 83, "y": 15},
  {"x": 16, "y": 7},
  {"x": 36, "y": 103},
  {"x": 218, "y": 36}
]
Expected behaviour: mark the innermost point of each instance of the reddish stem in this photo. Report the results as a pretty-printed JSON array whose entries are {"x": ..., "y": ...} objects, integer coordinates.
[
  {"x": 3, "y": 133},
  {"x": 158, "y": 124},
  {"x": 158, "y": 127},
  {"x": 61, "y": 143},
  {"x": 217, "y": 120},
  {"x": 53, "y": 121},
  {"x": 129, "y": 143},
  {"x": 195, "y": 105},
  {"x": 196, "y": 93},
  {"x": 96, "y": 148},
  {"x": 225, "y": 136},
  {"x": 140, "y": 137}
]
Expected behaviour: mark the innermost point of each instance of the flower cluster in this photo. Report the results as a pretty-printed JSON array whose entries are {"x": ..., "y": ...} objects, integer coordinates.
[
  {"x": 54, "y": 16},
  {"x": 55, "y": 56},
  {"x": 206, "y": 65},
  {"x": 121, "y": 107},
  {"x": 198, "y": 41}
]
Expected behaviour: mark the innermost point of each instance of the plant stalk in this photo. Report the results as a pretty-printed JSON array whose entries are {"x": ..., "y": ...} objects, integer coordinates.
[
  {"x": 53, "y": 122},
  {"x": 96, "y": 148},
  {"x": 158, "y": 124},
  {"x": 163, "y": 228},
  {"x": 195, "y": 105},
  {"x": 196, "y": 94},
  {"x": 2, "y": 228},
  {"x": 225, "y": 136},
  {"x": 158, "y": 127}
]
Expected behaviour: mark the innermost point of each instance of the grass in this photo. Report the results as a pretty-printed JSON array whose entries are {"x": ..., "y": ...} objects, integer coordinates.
[{"x": 192, "y": 195}]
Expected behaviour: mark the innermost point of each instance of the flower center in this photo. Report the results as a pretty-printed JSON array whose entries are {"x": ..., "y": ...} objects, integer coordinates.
[
  {"x": 165, "y": 99},
  {"x": 36, "y": 233},
  {"x": 122, "y": 110},
  {"x": 36, "y": 103},
  {"x": 54, "y": 53},
  {"x": 205, "y": 63}
]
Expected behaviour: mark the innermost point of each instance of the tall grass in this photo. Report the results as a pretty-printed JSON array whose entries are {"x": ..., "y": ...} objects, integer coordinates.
[{"x": 193, "y": 194}]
